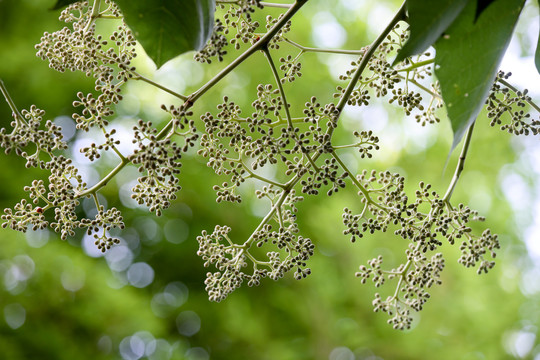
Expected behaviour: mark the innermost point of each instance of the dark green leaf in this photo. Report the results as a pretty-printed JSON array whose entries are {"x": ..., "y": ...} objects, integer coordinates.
[
  {"x": 62, "y": 3},
  {"x": 428, "y": 20},
  {"x": 481, "y": 5},
  {"x": 468, "y": 57},
  {"x": 537, "y": 56},
  {"x": 168, "y": 28}
]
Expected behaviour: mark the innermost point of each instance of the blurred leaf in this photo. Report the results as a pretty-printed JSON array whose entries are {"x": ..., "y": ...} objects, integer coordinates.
[
  {"x": 481, "y": 5},
  {"x": 428, "y": 20},
  {"x": 168, "y": 28},
  {"x": 62, "y": 3},
  {"x": 537, "y": 56},
  {"x": 468, "y": 57}
]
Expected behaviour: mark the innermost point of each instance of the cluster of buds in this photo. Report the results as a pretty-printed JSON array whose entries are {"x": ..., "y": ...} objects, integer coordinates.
[
  {"x": 425, "y": 223},
  {"x": 507, "y": 108},
  {"x": 296, "y": 143}
]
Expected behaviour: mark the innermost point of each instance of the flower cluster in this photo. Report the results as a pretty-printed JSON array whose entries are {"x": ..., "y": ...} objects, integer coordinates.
[
  {"x": 99, "y": 227},
  {"x": 280, "y": 36},
  {"x": 424, "y": 222},
  {"x": 504, "y": 100},
  {"x": 232, "y": 260},
  {"x": 27, "y": 135},
  {"x": 401, "y": 84},
  {"x": 295, "y": 142},
  {"x": 291, "y": 68},
  {"x": 236, "y": 20},
  {"x": 158, "y": 157},
  {"x": 74, "y": 48}
]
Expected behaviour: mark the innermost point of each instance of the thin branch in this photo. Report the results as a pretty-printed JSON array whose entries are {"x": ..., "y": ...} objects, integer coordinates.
[
  {"x": 460, "y": 165},
  {"x": 151, "y": 82},
  {"x": 263, "y": 179},
  {"x": 360, "y": 187},
  {"x": 400, "y": 15},
  {"x": 263, "y": 3},
  {"x": 16, "y": 114},
  {"x": 329, "y": 51},
  {"x": 283, "y": 6},
  {"x": 94, "y": 15},
  {"x": 279, "y": 84},
  {"x": 432, "y": 93},
  {"x": 105, "y": 180},
  {"x": 417, "y": 65},
  {"x": 267, "y": 218}
]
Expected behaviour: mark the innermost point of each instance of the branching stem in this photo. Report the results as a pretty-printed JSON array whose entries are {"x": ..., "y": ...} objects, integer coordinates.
[
  {"x": 400, "y": 15},
  {"x": 259, "y": 45},
  {"x": 360, "y": 187},
  {"x": 94, "y": 15},
  {"x": 460, "y": 165},
  {"x": 280, "y": 86},
  {"x": 105, "y": 180}
]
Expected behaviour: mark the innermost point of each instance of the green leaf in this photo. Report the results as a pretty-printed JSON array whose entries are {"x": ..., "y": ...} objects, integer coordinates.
[
  {"x": 481, "y": 5},
  {"x": 468, "y": 57},
  {"x": 537, "y": 56},
  {"x": 62, "y": 3},
  {"x": 428, "y": 20},
  {"x": 168, "y": 28}
]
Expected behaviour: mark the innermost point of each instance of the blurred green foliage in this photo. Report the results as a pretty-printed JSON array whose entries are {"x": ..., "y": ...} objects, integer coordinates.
[{"x": 57, "y": 302}]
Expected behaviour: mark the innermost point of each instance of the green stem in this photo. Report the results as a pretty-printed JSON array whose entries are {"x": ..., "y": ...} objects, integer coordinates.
[
  {"x": 94, "y": 15},
  {"x": 110, "y": 17},
  {"x": 263, "y": 179},
  {"x": 151, "y": 82},
  {"x": 16, "y": 114},
  {"x": 460, "y": 165},
  {"x": 282, "y": 6},
  {"x": 280, "y": 86},
  {"x": 400, "y": 15},
  {"x": 267, "y": 218},
  {"x": 417, "y": 65},
  {"x": 105, "y": 180},
  {"x": 360, "y": 187},
  {"x": 256, "y": 176},
  {"x": 328, "y": 51},
  {"x": 96, "y": 200},
  {"x": 281, "y": 122},
  {"x": 434, "y": 94},
  {"x": 351, "y": 145}
]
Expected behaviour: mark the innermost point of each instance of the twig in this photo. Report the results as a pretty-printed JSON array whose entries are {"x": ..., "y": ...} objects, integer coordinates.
[
  {"x": 330, "y": 51},
  {"x": 460, "y": 165}
]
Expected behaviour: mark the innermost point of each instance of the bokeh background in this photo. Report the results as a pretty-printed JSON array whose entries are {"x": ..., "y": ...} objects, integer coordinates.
[{"x": 145, "y": 298}]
